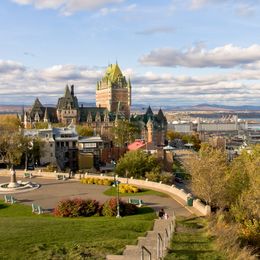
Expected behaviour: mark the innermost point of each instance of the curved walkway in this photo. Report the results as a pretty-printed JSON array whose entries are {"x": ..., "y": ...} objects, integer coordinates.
[{"x": 52, "y": 191}]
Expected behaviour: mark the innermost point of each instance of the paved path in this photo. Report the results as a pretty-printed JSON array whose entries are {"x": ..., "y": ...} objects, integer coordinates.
[{"x": 52, "y": 191}]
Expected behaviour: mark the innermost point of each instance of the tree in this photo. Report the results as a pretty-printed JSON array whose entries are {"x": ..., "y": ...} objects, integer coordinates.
[
  {"x": 186, "y": 138},
  {"x": 41, "y": 125},
  {"x": 125, "y": 132},
  {"x": 171, "y": 135},
  {"x": 137, "y": 163},
  {"x": 10, "y": 149},
  {"x": 84, "y": 130},
  {"x": 9, "y": 123},
  {"x": 246, "y": 186},
  {"x": 209, "y": 175}
]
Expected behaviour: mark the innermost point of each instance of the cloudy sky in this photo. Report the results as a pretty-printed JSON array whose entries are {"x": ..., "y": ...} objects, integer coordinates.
[{"x": 176, "y": 52}]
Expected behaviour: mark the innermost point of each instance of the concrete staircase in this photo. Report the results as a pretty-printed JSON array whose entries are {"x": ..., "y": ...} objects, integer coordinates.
[{"x": 153, "y": 246}]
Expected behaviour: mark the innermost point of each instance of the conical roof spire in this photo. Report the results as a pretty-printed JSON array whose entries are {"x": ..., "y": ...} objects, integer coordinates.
[
  {"x": 149, "y": 111},
  {"x": 46, "y": 116}
]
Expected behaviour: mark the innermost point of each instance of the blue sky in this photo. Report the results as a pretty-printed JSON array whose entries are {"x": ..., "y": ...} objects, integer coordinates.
[{"x": 175, "y": 52}]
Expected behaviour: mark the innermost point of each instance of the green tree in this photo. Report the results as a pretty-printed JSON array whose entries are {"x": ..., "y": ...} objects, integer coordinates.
[
  {"x": 84, "y": 130},
  {"x": 10, "y": 149},
  {"x": 137, "y": 163},
  {"x": 125, "y": 132}
]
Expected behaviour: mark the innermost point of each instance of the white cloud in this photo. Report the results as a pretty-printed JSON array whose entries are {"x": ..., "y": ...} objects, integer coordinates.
[
  {"x": 235, "y": 87},
  {"x": 157, "y": 30},
  {"x": 68, "y": 7},
  {"x": 227, "y": 56},
  {"x": 110, "y": 10},
  {"x": 245, "y": 10},
  {"x": 10, "y": 66}
]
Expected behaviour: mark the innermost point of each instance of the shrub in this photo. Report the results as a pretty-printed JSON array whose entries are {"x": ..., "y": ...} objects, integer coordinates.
[
  {"x": 97, "y": 181},
  {"x": 130, "y": 209},
  {"x": 51, "y": 168},
  {"x": 165, "y": 177},
  {"x": 110, "y": 208},
  {"x": 76, "y": 208},
  {"x": 127, "y": 188}
]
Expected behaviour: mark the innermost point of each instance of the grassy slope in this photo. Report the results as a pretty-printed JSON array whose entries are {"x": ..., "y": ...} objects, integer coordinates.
[
  {"x": 191, "y": 242},
  {"x": 27, "y": 236},
  {"x": 112, "y": 191}
]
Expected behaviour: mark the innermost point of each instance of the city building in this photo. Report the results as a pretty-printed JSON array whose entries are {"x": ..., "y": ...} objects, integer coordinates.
[{"x": 154, "y": 126}]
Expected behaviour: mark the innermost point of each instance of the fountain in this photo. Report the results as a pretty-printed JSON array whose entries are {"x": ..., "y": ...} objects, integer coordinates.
[{"x": 15, "y": 186}]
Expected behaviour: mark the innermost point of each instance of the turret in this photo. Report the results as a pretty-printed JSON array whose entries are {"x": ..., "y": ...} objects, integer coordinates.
[
  {"x": 46, "y": 116},
  {"x": 72, "y": 90}
]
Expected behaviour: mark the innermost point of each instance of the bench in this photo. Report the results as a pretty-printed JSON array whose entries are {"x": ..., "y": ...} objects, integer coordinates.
[
  {"x": 10, "y": 199},
  {"x": 36, "y": 209},
  {"x": 63, "y": 177},
  {"x": 136, "y": 202},
  {"x": 28, "y": 175}
]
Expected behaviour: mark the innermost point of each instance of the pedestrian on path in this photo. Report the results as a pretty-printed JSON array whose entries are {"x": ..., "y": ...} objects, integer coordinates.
[{"x": 161, "y": 213}]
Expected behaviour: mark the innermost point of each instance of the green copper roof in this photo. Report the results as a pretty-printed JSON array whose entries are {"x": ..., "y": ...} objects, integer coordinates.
[{"x": 113, "y": 72}]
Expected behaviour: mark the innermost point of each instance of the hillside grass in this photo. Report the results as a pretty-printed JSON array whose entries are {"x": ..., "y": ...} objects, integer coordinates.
[
  {"x": 112, "y": 191},
  {"x": 28, "y": 236},
  {"x": 191, "y": 241}
]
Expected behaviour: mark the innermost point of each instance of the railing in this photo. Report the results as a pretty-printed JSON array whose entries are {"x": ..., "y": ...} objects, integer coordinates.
[
  {"x": 166, "y": 237},
  {"x": 159, "y": 246},
  {"x": 145, "y": 250}
]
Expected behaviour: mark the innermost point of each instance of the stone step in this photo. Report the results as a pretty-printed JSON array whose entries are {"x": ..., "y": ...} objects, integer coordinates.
[
  {"x": 115, "y": 257},
  {"x": 131, "y": 250}
]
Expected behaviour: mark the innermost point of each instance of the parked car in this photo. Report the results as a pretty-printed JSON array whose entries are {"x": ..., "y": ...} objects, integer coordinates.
[
  {"x": 30, "y": 167},
  {"x": 178, "y": 180}
]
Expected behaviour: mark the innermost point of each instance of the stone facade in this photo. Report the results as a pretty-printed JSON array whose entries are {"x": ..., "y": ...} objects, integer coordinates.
[
  {"x": 114, "y": 92},
  {"x": 154, "y": 126}
]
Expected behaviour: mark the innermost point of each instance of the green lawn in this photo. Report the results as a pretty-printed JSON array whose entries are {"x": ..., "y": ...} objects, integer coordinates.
[
  {"x": 112, "y": 191},
  {"x": 191, "y": 242},
  {"x": 27, "y": 236}
]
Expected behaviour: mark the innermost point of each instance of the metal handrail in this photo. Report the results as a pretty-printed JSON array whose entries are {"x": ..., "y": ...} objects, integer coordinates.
[
  {"x": 159, "y": 246},
  {"x": 144, "y": 249},
  {"x": 166, "y": 237}
]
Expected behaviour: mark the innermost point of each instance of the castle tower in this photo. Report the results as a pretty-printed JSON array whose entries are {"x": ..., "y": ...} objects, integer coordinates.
[
  {"x": 149, "y": 126},
  {"x": 67, "y": 107},
  {"x": 114, "y": 91}
]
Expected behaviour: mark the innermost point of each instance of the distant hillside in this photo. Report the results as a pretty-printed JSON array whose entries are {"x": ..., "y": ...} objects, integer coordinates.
[
  {"x": 199, "y": 107},
  {"x": 141, "y": 108}
]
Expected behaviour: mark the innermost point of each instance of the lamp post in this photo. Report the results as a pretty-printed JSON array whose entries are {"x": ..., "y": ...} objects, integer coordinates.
[
  {"x": 117, "y": 191},
  {"x": 117, "y": 198},
  {"x": 29, "y": 146},
  {"x": 126, "y": 174}
]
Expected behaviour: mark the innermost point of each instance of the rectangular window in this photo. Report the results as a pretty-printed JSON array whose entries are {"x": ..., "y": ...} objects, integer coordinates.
[{"x": 90, "y": 145}]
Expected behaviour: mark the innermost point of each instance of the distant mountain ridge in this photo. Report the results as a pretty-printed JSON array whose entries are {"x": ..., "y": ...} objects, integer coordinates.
[{"x": 142, "y": 107}]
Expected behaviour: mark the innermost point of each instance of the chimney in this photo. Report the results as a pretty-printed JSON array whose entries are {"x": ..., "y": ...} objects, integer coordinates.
[{"x": 72, "y": 90}]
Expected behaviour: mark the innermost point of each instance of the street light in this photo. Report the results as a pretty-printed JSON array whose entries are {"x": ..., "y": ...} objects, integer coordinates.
[
  {"x": 29, "y": 146},
  {"x": 117, "y": 198},
  {"x": 116, "y": 182}
]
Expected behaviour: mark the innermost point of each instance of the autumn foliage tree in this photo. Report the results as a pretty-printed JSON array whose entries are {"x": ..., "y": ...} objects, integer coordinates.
[{"x": 209, "y": 175}]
